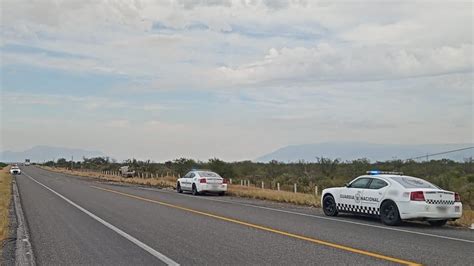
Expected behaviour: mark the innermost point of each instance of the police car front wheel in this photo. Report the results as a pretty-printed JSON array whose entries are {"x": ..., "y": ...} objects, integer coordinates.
[
  {"x": 389, "y": 213},
  {"x": 329, "y": 206}
]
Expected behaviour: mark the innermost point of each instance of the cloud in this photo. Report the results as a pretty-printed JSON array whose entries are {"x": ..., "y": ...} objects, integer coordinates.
[
  {"x": 305, "y": 71},
  {"x": 118, "y": 123},
  {"x": 340, "y": 63}
]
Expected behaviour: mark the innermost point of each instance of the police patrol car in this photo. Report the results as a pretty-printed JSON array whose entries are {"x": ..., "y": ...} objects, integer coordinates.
[
  {"x": 393, "y": 197},
  {"x": 202, "y": 181}
]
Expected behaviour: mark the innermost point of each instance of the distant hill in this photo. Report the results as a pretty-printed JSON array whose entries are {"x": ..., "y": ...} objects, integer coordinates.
[
  {"x": 357, "y": 150},
  {"x": 47, "y": 153}
]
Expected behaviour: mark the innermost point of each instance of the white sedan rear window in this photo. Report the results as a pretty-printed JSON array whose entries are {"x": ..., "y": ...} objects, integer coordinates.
[
  {"x": 412, "y": 182},
  {"x": 208, "y": 174}
]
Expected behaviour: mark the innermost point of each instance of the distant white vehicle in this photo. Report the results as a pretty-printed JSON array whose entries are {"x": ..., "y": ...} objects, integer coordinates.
[
  {"x": 202, "y": 181},
  {"x": 125, "y": 171},
  {"x": 27, "y": 162},
  {"x": 15, "y": 170},
  {"x": 393, "y": 197}
]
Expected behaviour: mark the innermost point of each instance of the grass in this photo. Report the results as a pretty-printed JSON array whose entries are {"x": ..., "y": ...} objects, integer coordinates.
[
  {"x": 273, "y": 195},
  {"x": 236, "y": 190},
  {"x": 163, "y": 182},
  {"x": 467, "y": 219},
  {"x": 5, "y": 197}
]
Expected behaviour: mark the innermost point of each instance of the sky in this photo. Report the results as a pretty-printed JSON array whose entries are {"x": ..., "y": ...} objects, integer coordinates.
[{"x": 233, "y": 79}]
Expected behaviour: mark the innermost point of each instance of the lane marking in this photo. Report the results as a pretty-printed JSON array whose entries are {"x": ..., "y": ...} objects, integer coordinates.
[
  {"x": 322, "y": 217},
  {"x": 264, "y": 228},
  {"x": 132, "y": 239}
]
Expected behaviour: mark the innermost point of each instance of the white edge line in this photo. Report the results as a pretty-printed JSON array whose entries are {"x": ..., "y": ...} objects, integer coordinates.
[
  {"x": 323, "y": 218},
  {"x": 137, "y": 242}
]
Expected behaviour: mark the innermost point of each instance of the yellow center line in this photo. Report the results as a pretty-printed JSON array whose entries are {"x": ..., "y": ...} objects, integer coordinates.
[{"x": 268, "y": 229}]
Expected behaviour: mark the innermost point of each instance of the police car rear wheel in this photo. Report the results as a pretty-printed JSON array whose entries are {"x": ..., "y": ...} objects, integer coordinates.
[
  {"x": 194, "y": 190},
  {"x": 389, "y": 213},
  {"x": 438, "y": 223},
  {"x": 329, "y": 206}
]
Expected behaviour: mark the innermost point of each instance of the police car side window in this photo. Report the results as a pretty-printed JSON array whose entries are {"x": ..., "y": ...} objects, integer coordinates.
[
  {"x": 360, "y": 183},
  {"x": 377, "y": 184},
  {"x": 192, "y": 175}
]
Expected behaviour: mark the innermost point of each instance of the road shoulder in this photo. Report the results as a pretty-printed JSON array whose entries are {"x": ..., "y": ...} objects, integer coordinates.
[{"x": 23, "y": 250}]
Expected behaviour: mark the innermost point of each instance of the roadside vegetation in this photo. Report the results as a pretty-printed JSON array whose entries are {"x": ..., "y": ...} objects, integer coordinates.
[{"x": 5, "y": 198}]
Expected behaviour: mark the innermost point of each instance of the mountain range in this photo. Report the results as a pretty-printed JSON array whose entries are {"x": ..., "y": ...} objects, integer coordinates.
[
  {"x": 373, "y": 152},
  {"x": 344, "y": 151},
  {"x": 47, "y": 153}
]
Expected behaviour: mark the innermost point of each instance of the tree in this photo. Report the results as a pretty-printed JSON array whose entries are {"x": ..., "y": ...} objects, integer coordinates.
[
  {"x": 222, "y": 168},
  {"x": 183, "y": 165},
  {"x": 328, "y": 167}
]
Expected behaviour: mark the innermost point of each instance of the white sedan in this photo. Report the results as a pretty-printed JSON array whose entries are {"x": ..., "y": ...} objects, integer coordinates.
[
  {"x": 202, "y": 181},
  {"x": 15, "y": 170},
  {"x": 393, "y": 197}
]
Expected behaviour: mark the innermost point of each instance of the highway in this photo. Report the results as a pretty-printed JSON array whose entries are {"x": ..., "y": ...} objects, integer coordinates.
[{"x": 75, "y": 220}]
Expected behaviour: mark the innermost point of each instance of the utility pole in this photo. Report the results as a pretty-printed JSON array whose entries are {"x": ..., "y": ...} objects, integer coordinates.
[{"x": 72, "y": 162}]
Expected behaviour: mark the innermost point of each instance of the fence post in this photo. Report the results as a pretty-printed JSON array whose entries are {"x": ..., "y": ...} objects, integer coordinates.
[
  {"x": 263, "y": 185},
  {"x": 278, "y": 186},
  {"x": 295, "y": 187},
  {"x": 316, "y": 190},
  {"x": 230, "y": 180},
  {"x": 241, "y": 182}
]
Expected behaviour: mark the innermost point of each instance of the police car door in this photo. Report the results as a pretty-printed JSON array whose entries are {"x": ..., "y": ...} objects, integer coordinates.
[
  {"x": 186, "y": 182},
  {"x": 349, "y": 198},
  {"x": 373, "y": 195}
]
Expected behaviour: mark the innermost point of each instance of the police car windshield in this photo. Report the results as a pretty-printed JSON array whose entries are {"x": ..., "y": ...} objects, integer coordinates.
[{"x": 412, "y": 182}]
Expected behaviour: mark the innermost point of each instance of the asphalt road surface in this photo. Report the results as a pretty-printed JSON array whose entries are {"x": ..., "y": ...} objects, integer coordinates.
[{"x": 74, "y": 220}]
